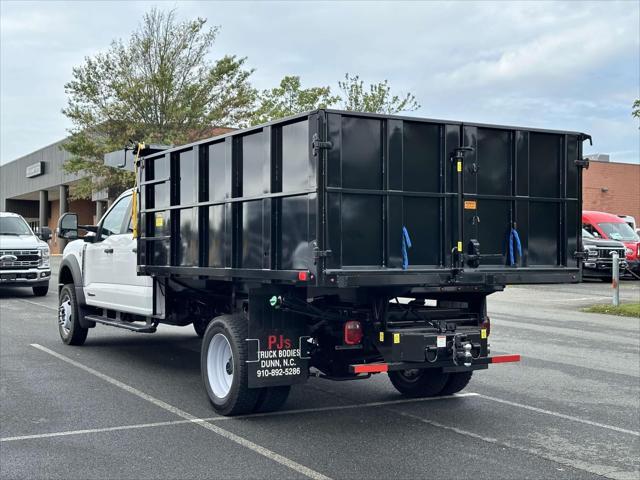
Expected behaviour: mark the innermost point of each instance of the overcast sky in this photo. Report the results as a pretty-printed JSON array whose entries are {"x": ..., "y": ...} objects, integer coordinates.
[{"x": 566, "y": 65}]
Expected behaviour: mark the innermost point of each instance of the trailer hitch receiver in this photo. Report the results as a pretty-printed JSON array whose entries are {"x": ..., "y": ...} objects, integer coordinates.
[{"x": 462, "y": 352}]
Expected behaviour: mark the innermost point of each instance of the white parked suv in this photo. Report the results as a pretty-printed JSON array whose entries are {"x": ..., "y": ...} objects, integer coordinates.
[{"x": 24, "y": 256}]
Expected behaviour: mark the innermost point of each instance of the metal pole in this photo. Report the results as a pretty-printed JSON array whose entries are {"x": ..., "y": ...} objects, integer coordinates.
[
  {"x": 615, "y": 278},
  {"x": 99, "y": 210},
  {"x": 43, "y": 208},
  {"x": 64, "y": 208}
]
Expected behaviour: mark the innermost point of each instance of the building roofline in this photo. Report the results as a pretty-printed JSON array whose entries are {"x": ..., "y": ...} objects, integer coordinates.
[{"x": 35, "y": 151}]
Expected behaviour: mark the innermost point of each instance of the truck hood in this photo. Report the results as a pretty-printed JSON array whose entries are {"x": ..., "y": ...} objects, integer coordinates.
[
  {"x": 597, "y": 242},
  {"x": 20, "y": 242}
]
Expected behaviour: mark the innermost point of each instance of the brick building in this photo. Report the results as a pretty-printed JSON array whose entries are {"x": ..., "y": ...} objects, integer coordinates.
[{"x": 612, "y": 187}]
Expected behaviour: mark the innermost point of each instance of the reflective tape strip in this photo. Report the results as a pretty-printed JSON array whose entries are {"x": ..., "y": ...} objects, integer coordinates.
[
  {"x": 370, "y": 368},
  {"x": 505, "y": 359}
]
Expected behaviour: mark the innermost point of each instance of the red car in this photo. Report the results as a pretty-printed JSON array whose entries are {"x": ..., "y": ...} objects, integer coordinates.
[{"x": 612, "y": 227}]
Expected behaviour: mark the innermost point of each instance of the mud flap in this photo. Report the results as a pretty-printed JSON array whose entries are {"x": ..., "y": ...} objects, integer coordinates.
[{"x": 277, "y": 346}]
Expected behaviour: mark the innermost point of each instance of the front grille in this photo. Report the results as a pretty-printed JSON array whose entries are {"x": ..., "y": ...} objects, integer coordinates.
[
  {"x": 24, "y": 259},
  {"x": 604, "y": 253}
]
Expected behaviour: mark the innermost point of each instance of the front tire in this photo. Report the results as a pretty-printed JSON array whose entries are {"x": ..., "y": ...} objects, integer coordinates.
[
  {"x": 223, "y": 362},
  {"x": 419, "y": 382},
  {"x": 69, "y": 327},
  {"x": 40, "y": 290}
]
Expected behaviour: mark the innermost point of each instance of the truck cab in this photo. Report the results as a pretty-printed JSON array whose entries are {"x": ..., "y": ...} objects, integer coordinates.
[
  {"x": 24, "y": 256},
  {"x": 102, "y": 265}
]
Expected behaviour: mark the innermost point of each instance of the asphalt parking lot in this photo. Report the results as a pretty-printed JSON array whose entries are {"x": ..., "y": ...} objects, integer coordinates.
[{"x": 130, "y": 405}]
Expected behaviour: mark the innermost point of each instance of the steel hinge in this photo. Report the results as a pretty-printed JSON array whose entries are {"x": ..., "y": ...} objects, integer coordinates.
[
  {"x": 316, "y": 144},
  {"x": 582, "y": 163}
]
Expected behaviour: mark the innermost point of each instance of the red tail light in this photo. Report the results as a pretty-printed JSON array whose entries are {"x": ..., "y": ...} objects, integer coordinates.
[
  {"x": 352, "y": 332},
  {"x": 486, "y": 324}
]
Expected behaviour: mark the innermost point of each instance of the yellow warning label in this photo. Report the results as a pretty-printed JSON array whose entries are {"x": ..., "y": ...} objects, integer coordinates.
[
  {"x": 396, "y": 338},
  {"x": 483, "y": 333},
  {"x": 159, "y": 221},
  {"x": 382, "y": 336},
  {"x": 470, "y": 205},
  {"x": 459, "y": 167},
  {"x": 460, "y": 246}
]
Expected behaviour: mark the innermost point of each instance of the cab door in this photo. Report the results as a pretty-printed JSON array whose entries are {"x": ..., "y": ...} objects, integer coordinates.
[{"x": 111, "y": 279}]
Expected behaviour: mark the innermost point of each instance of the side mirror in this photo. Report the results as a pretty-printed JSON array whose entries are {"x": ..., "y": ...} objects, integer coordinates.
[
  {"x": 68, "y": 226},
  {"x": 44, "y": 233}
]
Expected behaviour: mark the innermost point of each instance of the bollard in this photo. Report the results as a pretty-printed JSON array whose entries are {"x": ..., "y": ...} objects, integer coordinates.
[{"x": 615, "y": 278}]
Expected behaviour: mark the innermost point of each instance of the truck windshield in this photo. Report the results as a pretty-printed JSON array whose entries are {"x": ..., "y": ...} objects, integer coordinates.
[
  {"x": 14, "y": 226},
  {"x": 619, "y": 231}
]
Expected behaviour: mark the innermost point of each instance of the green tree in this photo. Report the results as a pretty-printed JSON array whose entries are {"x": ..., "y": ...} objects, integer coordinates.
[
  {"x": 157, "y": 87},
  {"x": 636, "y": 109},
  {"x": 375, "y": 99},
  {"x": 290, "y": 98}
]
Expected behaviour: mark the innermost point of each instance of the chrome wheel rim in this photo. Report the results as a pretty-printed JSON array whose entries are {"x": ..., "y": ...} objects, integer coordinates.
[
  {"x": 220, "y": 365},
  {"x": 65, "y": 313}
]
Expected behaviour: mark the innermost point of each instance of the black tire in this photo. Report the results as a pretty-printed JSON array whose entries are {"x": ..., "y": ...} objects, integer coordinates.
[
  {"x": 240, "y": 399},
  {"x": 200, "y": 326},
  {"x": 272, "y": 399},
  {"x": 75, "y": 334},
  {"x": 40, "y": 290},
  {"x": 456, "y": 383},
  {"x": 419, "y": 383}
]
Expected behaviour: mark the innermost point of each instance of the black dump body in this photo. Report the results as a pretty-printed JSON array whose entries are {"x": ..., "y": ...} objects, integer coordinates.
[{"x": 324, "y": 199}]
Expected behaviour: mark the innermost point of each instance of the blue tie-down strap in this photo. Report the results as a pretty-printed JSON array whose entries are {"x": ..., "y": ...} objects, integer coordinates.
[
  {"x": 513, "y": 236},
  {"x": 406, "y": 243}
]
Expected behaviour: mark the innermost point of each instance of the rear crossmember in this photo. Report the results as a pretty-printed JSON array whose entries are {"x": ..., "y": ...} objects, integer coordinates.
[{"x": 477, "y": 364}]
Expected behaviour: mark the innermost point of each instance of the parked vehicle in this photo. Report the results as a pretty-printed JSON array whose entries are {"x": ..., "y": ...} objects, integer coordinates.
[
  {"x": 598, "y": 261},
  {"x": 630, "y": 220},
  {"x": 24, "y": 256},
  {"x": 330, "y": 244},
  {"x": 612, "y": 227}
]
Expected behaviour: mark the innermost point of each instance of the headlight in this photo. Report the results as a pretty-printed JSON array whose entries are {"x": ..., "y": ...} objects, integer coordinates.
[
  {"x": 629, "y": 251},
  {"x": 592, "y": 252},
  {"x": 44, "y": 257}
]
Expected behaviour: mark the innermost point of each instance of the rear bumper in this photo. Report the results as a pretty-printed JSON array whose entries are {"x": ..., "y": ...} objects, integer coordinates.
[
  {"x": 477, "y": 364},
  {"x": 21, "y": 278}
]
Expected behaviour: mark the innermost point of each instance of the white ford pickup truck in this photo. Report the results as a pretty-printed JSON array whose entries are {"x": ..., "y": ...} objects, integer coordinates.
[{"x": 24, "y": 256}]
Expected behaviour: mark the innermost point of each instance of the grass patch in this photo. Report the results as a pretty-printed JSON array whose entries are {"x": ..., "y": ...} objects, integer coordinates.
[{"x": 625, "y": 309}]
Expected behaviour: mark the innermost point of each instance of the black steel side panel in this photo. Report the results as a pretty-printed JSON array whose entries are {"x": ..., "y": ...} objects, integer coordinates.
[{"x": 329, "y": 193}]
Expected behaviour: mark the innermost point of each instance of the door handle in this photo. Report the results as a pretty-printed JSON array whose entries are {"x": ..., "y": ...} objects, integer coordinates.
[
  {"x": 134, "y": 250},
  {"x": 108, "y": 250}
]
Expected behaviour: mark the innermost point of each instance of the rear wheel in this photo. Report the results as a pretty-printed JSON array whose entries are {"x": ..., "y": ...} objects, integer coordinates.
[
  {"x": 223, "y": 362},
  {"x": 272, "y": 399},
  {"x": 41, "y": 290},
  {"x": 456, "y": 383},
  {"x": 419, "y": 382},
  {"x": 69, "y": 327}
]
